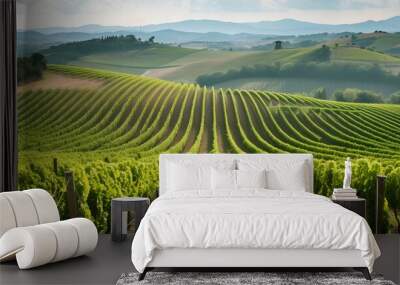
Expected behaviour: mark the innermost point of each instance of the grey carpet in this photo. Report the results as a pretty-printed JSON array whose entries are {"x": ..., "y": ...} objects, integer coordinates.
[{"x": 243, "y": 278}]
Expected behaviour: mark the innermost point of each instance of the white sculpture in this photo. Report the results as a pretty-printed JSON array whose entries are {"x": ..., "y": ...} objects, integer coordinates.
[{"x": 347, "y": 174}]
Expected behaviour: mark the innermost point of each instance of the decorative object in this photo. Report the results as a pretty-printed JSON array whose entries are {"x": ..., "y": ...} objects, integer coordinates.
[
  {"x": 121, "y": 208},
  {"x": 357, "y": 205},
  {"x": 31, "y": 231},
  {"x": 347, "y": 174},
  {"x": 244, "y": 278},
  {"x": 344, "y": 194}
]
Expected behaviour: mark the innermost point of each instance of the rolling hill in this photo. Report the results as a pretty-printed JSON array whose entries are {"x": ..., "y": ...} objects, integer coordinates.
[
  {"x": 134, "y": 114},
  {"x": 110, "y": 132},
  {"x": 381, "y": 41},
  {"x": 186, "y": 65}
]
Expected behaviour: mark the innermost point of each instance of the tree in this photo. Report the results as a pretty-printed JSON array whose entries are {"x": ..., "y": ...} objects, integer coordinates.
[
  {"x": 357, "y": 95},
  {"x": 31, "y": 68},
  {"x": 364, "y": 96},
  {"x": 320, "y": 93},
  {"x": 151, "y": 39},
  {"x": 393, "y": 194},
  {"x": 338, "y": 95},
  {"x": 395, "y": 98},
  {"x": 321, "y": 54},
  {"x": 278, "y": 45},
  {"x": 39, "y": 61}
]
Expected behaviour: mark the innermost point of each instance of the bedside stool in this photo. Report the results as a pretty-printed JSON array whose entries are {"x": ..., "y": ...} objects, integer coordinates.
[
  {"x": 357, "y": 205},
  {"x": 119, "y": 215}
]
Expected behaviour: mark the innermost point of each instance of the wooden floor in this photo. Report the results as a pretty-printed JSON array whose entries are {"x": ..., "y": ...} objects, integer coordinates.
[{"x": 110, "y": 260}]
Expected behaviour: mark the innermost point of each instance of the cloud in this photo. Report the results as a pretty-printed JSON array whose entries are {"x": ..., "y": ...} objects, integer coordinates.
[
  {"x": 330, "y": 4},
  {"x": 44, "y": 13}
]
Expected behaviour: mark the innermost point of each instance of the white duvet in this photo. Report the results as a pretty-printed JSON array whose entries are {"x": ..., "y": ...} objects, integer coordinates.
[{"x": 250, "y": 219}]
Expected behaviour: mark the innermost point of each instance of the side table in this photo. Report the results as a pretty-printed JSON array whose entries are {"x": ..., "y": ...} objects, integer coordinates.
[
  {"x": 357, "y": 205},
  {"x": 119, "y": 215}
]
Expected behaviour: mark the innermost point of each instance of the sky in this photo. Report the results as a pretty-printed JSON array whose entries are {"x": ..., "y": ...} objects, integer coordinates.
[{"x": 72, "y": 13}]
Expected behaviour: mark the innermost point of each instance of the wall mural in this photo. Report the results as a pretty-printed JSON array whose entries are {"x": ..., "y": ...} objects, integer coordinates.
[{"x": 106, "y": 86}]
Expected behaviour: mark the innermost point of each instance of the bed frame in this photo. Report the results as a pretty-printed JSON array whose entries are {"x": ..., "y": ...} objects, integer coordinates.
[
  {"x": 237, "y": 259},
  {"x": 261, "y": 259}
]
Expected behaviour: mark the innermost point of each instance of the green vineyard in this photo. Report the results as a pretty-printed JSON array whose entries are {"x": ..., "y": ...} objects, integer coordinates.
[{"x": 110, "y": 136}]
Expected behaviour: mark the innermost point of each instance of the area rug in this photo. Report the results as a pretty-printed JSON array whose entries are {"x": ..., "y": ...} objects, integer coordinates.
[{"x": 244, "y": 278}]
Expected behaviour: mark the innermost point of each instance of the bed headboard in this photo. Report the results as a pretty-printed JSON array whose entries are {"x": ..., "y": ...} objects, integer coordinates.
[{"x": 227, "y": 158}]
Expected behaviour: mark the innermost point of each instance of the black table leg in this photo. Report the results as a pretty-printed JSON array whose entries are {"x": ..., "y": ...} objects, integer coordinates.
[{"x": 116, "y": 221}]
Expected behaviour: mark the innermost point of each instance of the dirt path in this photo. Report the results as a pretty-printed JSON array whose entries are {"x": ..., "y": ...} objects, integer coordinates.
[{"x": 53, "y": 80}]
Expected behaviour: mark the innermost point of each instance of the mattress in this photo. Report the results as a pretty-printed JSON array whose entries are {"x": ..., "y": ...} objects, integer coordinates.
[{"x": 250, "y": 219}]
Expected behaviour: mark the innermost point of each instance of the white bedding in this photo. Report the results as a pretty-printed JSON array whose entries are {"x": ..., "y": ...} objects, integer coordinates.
[{"x": 251, "y": 218}]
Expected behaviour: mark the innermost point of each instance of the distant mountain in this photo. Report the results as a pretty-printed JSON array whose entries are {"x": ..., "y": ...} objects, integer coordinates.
[
  {"x": 31, "y": 41},
  {"x": 205, "y": 33},
  {"x": 280, "y": 27}
]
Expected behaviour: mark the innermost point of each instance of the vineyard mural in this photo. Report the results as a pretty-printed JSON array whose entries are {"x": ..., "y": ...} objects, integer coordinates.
[{"x": 106, "y": 86}]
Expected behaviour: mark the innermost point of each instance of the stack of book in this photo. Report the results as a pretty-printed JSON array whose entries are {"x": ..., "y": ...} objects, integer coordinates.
[{"x": 344, "y": 194}]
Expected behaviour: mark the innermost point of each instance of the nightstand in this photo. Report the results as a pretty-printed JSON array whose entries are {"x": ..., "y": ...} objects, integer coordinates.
[
  {"x": 357, "y": 205},
  {"x": 120, "y": 207}
]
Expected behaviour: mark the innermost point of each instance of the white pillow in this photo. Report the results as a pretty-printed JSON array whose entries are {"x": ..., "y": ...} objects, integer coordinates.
[
  {"x": 251, "y": 178},
  {"x": 292, "y": 177},
  {"x": 181, "y": 177},
  {"x": 281, "y": 175},
  {"x": 223, "y": 179}
]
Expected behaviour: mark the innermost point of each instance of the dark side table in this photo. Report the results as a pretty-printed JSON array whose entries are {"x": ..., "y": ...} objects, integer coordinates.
[
  {"x": 120, "y": 207},
  {"x": 357, "y": 205}
]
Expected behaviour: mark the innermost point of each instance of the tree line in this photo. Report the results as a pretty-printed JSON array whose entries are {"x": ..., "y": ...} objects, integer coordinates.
[
  {"x": 332, "y": 71},
  {"x": 355, "y": 95},
  {"x": 30, "y": 68},
  {"x": 73, "y": 50}
]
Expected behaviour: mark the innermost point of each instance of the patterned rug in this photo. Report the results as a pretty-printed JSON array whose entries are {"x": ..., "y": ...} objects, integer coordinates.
[{"x": 244, "y": 278}]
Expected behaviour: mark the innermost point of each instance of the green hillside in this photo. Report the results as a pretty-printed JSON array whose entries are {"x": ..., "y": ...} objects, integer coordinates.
[
  {"x": 380, "y": 41},
  {"x": 136, "y": 61},
  {"x": 190, "y": 67},
  {"x": 111, "y": 136},
  {"x": 134, "y": 56},
  {"x": 358, "y": 54}
]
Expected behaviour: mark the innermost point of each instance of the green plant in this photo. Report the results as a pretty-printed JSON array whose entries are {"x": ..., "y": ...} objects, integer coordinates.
[{"x": 393, "y": 194}]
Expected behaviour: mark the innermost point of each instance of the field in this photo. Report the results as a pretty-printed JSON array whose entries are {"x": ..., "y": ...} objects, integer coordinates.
[
  {"x": 185, "y": 65},
  {"x": 111, "y": 136}
]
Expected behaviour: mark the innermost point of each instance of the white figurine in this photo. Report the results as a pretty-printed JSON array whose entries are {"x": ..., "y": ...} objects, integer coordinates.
[{"x": 347, "y": 174}]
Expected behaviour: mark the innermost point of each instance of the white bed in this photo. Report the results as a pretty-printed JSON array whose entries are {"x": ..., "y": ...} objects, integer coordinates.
[{"x": 250, "y": 227}]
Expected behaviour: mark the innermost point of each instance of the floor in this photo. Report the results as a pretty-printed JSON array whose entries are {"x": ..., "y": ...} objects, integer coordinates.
[
  {"x": 104, "y": 266},
  {"x": 389, "y": 262},
  {"x": 110, "y": 260}
]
